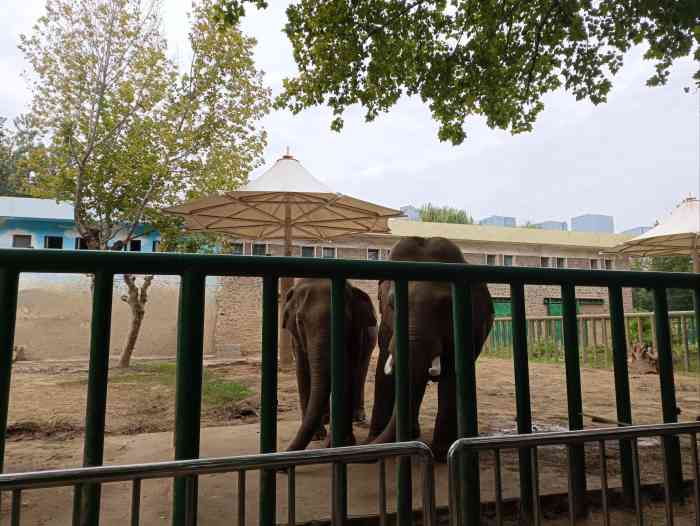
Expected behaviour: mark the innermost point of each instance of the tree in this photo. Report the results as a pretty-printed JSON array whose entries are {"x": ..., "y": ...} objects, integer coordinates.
[
  {"x": 678, "y": 299},
  {"x": 127, "y": 132},
  {"x": 495, "y": 59},
  {"x": 16, "y": 147},
  {"x": 444, "y": 214}
]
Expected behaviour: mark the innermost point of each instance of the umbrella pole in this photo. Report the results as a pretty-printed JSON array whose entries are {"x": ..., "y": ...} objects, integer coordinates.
[{"x": 285, "y": 342}]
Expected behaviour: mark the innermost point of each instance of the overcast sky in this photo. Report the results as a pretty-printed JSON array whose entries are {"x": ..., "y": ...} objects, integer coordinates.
[{"x": 633, "y": 158}]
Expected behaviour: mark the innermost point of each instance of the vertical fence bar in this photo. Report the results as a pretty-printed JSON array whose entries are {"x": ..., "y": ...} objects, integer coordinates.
[
  {"x": 696, "y": 476},
  {"x": 340, "y": 415},
  {"x": 668, "y": 506},
  {"x": 604, "y": 482},
  {"x": 577, "y": 461},
  {"x": 188, "y": 389},
  {"x": 381, "y": 492},
  {"x": 498, "y": 486},
  {"x": 522, "y": 393},
  {"x": 668, "y": 389},
  {"x": 637, "y": 483},
  {"x": 9, "y": 282},
  {"x": 241, "y": 497},
  {"x": 291, "y": 496},
  {"x": 16, "y": 511},
  {"x": 404, "y": 425},
  {"x": 135, "y": 502},
  {"x": 622, "y": 384},
  {"x": 467, "y": 422},
  {"x": 93, "y": 448},
  {"x": 268, "y": 399}
]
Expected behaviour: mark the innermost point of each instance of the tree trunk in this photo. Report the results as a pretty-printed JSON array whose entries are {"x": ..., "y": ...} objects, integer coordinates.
[{"x": 136, "y": 298}]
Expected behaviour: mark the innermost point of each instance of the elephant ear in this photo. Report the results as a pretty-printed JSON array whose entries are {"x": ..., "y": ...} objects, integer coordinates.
[
  {"x": 363, "y": 314},
  {"x": 287, "y": 311}
]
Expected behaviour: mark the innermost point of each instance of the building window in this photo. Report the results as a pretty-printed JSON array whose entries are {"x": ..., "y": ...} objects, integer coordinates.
[
  {"x": 608, "y": 264},
  {"x": 81, "y": 243},
  {"x": 561, "y": 262},
  {"x": 237, "y": 249},
  {"x": 53, "y": 242},
  {"x": 507, "y": 261},
  {"x": 156, "y": 246},
  {"x": 490, "y": 259},
  {"x": 259, "y": 249},
  {"x": 545, "y": 262},
  {"x": 594, "y": 264},
  {"x": 373, "y": 254},
  {"x": 328, "y": 252},
  {"x": 21, "y": 241},
  {"x": 135, "y": 245},
  {"x": 308, "y": 252}
]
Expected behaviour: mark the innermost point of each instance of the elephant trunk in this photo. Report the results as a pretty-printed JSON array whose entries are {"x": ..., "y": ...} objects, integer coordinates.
[{"x": 318, "y": 398}]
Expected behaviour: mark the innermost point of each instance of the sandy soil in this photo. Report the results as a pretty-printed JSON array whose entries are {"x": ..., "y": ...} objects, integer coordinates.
[{"x": 47, "y": 414}]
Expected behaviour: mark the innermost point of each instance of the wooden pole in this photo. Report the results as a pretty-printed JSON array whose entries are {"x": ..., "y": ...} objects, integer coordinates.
[{"x": 286, "y": 357}]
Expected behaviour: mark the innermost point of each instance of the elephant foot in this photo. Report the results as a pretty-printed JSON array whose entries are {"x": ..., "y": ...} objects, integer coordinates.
[
  {"x": 349, "y": 441},
  {"x": 320, "y": 434}
]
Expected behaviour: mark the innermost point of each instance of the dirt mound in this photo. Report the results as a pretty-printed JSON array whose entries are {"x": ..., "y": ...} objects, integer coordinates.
[{"x": 32, "y": 430}]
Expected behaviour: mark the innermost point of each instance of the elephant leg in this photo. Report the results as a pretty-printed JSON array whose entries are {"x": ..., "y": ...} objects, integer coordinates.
[
  {"x": 384, "y": 391},
  {"x": 445, "y": 432}
]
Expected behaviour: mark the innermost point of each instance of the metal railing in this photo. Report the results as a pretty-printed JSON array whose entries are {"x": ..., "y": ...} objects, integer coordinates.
[
  {"x": 190, "y": 470},
  {"x": 544, "y": 335},
  {"x": 193, "y": 269},
  {"x": 528, "y": 444}
]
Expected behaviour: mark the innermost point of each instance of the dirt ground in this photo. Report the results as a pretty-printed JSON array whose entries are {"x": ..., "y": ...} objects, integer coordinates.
[{"x": 48, "y": 401}]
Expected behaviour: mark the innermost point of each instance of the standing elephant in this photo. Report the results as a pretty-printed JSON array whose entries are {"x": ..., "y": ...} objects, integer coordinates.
[
  {"x": 431, "y": 343},
  {"x": 307, "y": 316}
]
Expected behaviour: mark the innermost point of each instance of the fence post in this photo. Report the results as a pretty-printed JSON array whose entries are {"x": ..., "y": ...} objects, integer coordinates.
[
  {"x": 340, "y": 415},
  {"x": 404, "y": 425},
  {"x": 522, "y": 394},
  {"x": 267, "y": 515},
  {"x": 9, "y": 282},
  {"x": 622, "y": 385},
  {"x": 467, "y": 418},
  {"x": 93, "y": 449},
  {"x": 668, "y": 389},
  {"x": 577, "y": 461},
  {"x": 188, "y": 386}
]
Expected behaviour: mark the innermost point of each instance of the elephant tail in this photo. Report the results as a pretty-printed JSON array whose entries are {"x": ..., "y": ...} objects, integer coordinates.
[{"x": 318, "y": 399}]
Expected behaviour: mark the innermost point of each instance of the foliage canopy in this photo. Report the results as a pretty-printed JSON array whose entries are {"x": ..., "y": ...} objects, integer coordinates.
[{"x": 493, "y": 58}]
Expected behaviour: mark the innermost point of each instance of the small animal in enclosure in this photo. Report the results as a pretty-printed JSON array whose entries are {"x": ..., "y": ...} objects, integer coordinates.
[
  {"x": 307, "y": 316},
  {"x": 643, "y": 359},
  {"x": 431, "y": 343}
]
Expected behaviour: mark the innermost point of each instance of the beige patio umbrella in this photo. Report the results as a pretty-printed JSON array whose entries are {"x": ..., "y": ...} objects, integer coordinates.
[
  {"x": 677, "y": 235},
  {"x": 286, "y": 203}
]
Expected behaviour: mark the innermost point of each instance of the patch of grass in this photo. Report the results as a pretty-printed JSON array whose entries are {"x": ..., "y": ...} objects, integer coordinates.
[{"x": 216, "y": 389}]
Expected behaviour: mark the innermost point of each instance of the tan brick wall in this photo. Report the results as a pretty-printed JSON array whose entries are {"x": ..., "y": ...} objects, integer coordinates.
[{"x": 239, "y": 302}]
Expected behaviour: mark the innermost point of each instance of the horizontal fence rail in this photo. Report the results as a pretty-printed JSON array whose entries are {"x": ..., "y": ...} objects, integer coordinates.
[
  {"x": 193, "y": 271},
  {"x": 190, "y": 470},
  {"x": 531, "y": 442}
]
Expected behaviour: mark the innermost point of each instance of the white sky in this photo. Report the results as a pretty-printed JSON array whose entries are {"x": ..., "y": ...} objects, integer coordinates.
[{"x": 634, "y": 158}]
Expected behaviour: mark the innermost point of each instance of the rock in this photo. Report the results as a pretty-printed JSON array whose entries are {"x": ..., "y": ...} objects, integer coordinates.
[
  {"x": 19, "y": 354},
  {"x": 247, "y": 407}
]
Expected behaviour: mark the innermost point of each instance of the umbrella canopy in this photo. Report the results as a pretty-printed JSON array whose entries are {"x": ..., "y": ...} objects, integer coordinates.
[
  {"x": 286, "y": 202},
  {"x": 677, "y": 235}
]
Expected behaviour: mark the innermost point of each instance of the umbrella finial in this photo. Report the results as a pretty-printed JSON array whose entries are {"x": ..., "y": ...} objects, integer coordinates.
[{"x": 288, "y": 155}]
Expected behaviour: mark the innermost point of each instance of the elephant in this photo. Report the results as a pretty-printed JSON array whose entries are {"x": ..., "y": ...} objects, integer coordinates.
[
  {"x": 307, "y": 316},
  {"x": 431, "y": 344}
]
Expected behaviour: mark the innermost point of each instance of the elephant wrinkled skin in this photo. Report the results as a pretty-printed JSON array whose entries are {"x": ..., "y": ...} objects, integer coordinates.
[
  {"x": 431, "y": 343},
  {"x": 306, "y": 315}
]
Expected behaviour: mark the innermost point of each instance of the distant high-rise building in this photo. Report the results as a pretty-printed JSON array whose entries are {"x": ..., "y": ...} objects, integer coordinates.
[
  {"x": 593, "y": 223},
  {"x": 552, "y": 225},
  {"x": 498, "y": 221},
  {"x": 411, "y": 212},
  {"x": 637, "y": 231}
]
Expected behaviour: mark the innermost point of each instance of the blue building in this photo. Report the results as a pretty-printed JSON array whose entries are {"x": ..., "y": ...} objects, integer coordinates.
[
  {"x": 498, "y": 221},
  {"x": 553, "y": 225},
  {"x": 593, "y": 223},
  {"x": 411, "y": 212},
  {"x": 42, "y": 223},
  {"x": 637, "y": 231}
]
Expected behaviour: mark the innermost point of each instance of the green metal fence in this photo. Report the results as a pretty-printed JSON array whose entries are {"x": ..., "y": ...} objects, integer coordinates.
[{"x": 193, "y": 269}]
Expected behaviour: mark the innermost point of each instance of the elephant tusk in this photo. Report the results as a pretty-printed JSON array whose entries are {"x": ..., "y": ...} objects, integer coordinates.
[
  {"x": 388, "y": 366},
  {"x": 435, "y": 367}
]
